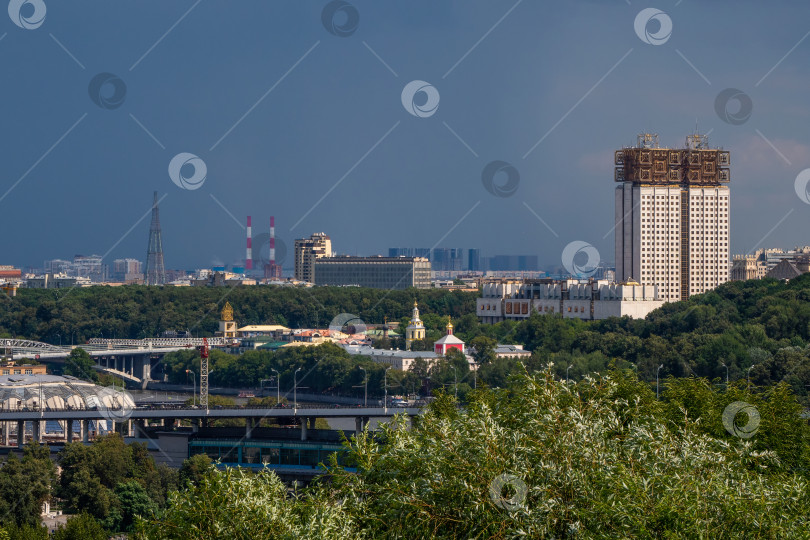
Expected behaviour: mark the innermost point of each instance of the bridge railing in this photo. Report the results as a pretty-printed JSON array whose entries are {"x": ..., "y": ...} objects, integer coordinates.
[{"x": 157, "y": 342}]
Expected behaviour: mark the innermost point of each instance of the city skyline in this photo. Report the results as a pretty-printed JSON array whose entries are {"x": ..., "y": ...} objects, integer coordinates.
[{"x": 318, "y": 135}]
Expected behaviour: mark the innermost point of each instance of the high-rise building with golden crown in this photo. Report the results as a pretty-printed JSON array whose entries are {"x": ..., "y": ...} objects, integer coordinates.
[{"x": 672, "y": 216}]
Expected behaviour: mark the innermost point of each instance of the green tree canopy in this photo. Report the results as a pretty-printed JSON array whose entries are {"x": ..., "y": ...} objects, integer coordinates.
[{"x": 79, "y": 364}]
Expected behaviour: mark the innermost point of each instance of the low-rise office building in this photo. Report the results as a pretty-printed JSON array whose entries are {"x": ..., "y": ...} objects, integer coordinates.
[
  {"x": 511, "y": 351},
  {"x": 373, "y": 272},
  {"x": 56, "y": 281},
  {"x": 13, "y": 368},
  {"x": 401, "y": 360},
  {"x": 593, "y": 300}
]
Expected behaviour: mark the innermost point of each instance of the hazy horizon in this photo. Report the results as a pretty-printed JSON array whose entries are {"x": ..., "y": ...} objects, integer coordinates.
[{"x": 297, "y": 110}]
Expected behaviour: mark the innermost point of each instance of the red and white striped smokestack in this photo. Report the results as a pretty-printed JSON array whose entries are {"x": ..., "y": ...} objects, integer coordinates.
[
  {"x": 249, "y": 252},
  {"x": 273, "y": 241}
]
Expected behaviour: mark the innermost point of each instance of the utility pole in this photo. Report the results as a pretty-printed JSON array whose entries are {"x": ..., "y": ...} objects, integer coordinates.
[
  {"x": 278, "y": 385},
  {"x": 455, "y": 381},
  {"x": 193, "y": 386},
  {"x": 385, "y": 384},
  {"x": 725, "y": 366},
  {"x": 204, "y": 374},
  {"x": 365, "y": 387},
  {"x": 295, "y": 388},
  {"x": 656, "y": 380}
]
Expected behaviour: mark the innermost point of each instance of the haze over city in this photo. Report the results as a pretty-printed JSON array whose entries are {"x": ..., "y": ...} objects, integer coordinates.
[{"x": 297, "y": 122}]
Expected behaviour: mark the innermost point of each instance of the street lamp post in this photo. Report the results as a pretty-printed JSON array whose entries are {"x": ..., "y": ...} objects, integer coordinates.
[
  {"x": 365, "y": 387},
  {"x": 385, "y": 385},
  {"x": 60, "y": 339},
  {"x": 749, "y": 375},
  {"x": 295, "y": 388},
  {"x": 656, "y": 380},
  {"x": 278, "y": 385},
  {"x": 193, "y": 386},
  {"x": 566, "y": 373},
  {"x": 725, "y": 366}
]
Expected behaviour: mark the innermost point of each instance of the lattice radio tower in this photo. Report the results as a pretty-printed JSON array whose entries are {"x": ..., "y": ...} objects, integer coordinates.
[{"x": 155, "y": 271}]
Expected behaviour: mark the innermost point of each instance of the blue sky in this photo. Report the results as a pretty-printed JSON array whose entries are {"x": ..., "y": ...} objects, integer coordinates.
[{"x": 285, "y": 114}]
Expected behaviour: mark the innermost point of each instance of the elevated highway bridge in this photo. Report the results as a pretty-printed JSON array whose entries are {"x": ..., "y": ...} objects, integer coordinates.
[
  {"x": 134, "y": 421},
  {"x": 129, "y": 359}
]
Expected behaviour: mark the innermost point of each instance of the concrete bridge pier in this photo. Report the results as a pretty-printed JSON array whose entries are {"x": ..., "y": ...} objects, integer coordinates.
[
  {"x": 6, "y": 428},
  {"x": 68, "y": 431},
  {"x": 36, "y": 431},
  {"x": 122, "y": 428},
  {"x": 20, "y": 433},
  {"x": 140, "y": 429},
  {"x": 360, "y": 423},
  {"x": 250, "y": 423},
  {"x": 85, "y": 430},
  {"x": 304, "y": 428},
  {"x": 142, "y": 368}
]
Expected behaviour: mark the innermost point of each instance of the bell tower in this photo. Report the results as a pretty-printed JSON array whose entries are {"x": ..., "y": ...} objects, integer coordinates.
[{"x": 415, "y": 330}]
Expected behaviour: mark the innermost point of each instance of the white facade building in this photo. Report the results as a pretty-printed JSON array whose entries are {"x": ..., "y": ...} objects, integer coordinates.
[{"x": 516, "y": 300}]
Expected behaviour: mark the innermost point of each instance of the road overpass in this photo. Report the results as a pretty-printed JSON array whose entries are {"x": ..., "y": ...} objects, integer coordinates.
[{"x": 135, "y": 420}]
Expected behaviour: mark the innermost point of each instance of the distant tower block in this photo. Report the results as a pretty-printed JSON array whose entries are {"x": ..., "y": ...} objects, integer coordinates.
[
  {"x": 155, "y": 270},
  {"x": 249, "y": 252}
]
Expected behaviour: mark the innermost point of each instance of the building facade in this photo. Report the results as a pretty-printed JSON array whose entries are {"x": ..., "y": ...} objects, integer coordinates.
[
  {"x": 400, "y": 360},
  {"x": 56, "y": 281},
  {"x": 307, "y": 250},
  {"x": 593, "y": 300},
  {"x": 672, "y": 216},
  {"x": 374, "y": 272},
  {"x": 127, "y": 270},
  {"x": 745, "y": 267},
  {"x": 765, "y": 261}
]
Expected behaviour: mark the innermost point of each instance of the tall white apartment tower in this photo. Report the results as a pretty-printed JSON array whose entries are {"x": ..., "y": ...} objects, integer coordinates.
[{"x": 672, "y": 216}]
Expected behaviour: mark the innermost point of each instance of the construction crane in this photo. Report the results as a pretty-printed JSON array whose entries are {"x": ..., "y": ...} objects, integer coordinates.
[{"x": 204, "y": 374}]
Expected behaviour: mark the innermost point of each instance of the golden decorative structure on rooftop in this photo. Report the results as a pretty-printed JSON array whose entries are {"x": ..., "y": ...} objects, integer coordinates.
[{"x": 227, "y": 312}]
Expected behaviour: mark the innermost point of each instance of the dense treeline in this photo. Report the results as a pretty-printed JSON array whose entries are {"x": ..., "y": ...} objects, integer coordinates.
[
  {"x": 104, "y": 487},
  {"x": 756, "y": 328},
  {"x": 759, "y": 329},
  {"x": 325, "y": 368},
  {"x": 133, "y": 311},
  {"x": 541, "y": 458},
  {"x": 602, "y": 458}
]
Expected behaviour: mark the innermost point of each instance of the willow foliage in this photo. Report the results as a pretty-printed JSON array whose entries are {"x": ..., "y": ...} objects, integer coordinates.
[{"x": 540, "y": 460}]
